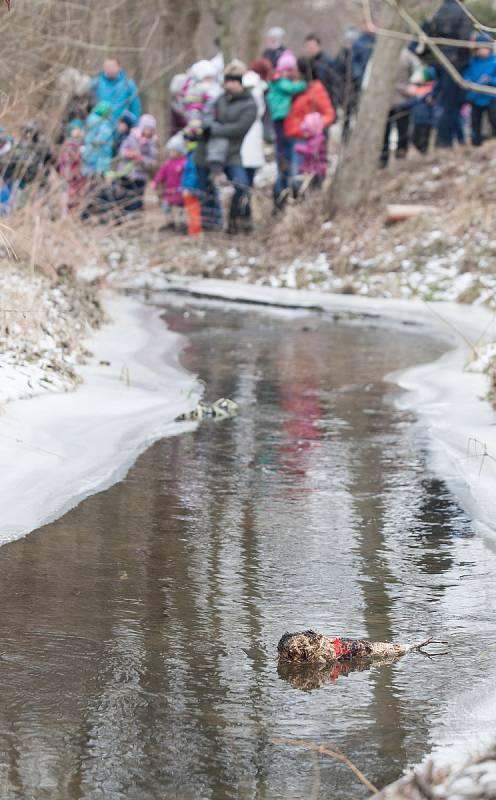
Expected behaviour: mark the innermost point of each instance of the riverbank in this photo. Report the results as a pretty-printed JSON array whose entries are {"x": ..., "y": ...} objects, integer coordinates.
[{"x": 56, "y": 449}]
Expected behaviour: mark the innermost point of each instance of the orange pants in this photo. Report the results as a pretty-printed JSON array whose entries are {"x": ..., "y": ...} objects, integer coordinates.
[{"x": 192, "y": 208}]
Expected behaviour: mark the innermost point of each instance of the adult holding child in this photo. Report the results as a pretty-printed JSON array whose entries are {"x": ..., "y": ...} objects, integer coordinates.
[
  {"x": 285, "y": 85},
  {"x": 314, "y": 99},
  {"x": 219, "y": 150}
]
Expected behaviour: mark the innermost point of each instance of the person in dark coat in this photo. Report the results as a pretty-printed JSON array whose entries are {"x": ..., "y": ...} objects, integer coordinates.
[
  {"x": 30, "y": 158},
  {"x": 343, "y": 66},
  {"x": 325, "y": 68},
  {"x": 230, "y": 119},
  {"x": 361, "y": 51},
  {"x": 450, "y": 22},
  {"x": 275, "y": 45}
]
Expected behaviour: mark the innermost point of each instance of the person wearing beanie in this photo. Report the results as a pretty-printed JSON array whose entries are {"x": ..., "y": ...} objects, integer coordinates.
[
  {"x": 284, "y": 86},
  {"x": 313, "y": 99},
  {"x": 482, "y": 70},
  {"x": 312, "y": 150},
  {"x": 70, "y": 164},
  {"x": 170, "y": 176},
  {"x": 137, "y": 160},
  {"x": 422, "y": 89},
  {"x": 275, "y": 45},
  {"x": 199, "y": 91},
  {"x": 229, "y": 120}
]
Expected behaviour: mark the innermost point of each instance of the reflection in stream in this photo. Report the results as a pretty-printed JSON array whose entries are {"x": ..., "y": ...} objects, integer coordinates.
[{"x": 138, "y": 632}]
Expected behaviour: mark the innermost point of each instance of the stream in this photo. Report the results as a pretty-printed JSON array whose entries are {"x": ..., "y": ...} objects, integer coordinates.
[{"x": 139, "y": 631}]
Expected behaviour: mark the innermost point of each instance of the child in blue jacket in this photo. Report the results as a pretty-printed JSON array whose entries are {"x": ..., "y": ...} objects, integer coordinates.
[{"x": 482, "y": 70}]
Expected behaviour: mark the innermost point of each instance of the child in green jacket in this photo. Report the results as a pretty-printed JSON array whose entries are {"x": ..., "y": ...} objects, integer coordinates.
[{"x": 282, "y": 88}]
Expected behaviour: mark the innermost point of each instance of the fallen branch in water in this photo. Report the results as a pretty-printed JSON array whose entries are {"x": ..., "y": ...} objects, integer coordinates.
[{"x": 333, "y": 752}]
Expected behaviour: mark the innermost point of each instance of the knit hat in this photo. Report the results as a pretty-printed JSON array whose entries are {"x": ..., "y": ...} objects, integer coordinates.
[
  {"x": 423, "y": 75},
  {"x": 177, "y": 83},
  {"x": 73, "y": 125},
  {"x": 177, "y": 143},
  {"x": 276, "y": 33},
  {"x": 103, "y": 109},
  {"x": 286, "y": 60},
  {"x": 235, "y": 69},
  {"x": 202, "y": 70},
  {"x": 147, "y": 121},
  {"x": 312, "y": 124}
]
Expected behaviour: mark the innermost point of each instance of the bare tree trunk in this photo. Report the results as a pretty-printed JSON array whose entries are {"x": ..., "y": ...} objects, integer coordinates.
[
  {"x": 222, "y": 14},
  {"x": 256, "y": 24},
  {"x": 360, "y": 157},
  {"x": 168, "y": 47}
]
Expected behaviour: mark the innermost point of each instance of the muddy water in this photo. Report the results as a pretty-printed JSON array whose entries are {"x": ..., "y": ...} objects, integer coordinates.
[{"x": 138, "y": 632}]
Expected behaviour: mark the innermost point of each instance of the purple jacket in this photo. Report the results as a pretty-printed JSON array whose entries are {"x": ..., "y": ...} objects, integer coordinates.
[
  {"x": 137, "y": 170},
  {"x": 314, "y": 154}
]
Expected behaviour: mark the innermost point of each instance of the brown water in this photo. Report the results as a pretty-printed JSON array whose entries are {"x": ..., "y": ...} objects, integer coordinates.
[{"x": 138, "y": 632}]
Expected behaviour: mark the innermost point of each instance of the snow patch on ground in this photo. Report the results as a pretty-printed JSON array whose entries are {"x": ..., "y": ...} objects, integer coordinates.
[{"x": 55, "y": 450}]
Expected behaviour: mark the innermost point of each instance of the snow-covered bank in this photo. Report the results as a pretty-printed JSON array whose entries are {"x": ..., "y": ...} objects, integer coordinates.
[
  {"x": 57, "y": 449},
  {"x": 44, "y": 325}
]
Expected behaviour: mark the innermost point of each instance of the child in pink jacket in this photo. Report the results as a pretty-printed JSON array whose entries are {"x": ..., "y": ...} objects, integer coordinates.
[
  {"x": 170, "y": 175},
  {"x": 312, "y": 150}
]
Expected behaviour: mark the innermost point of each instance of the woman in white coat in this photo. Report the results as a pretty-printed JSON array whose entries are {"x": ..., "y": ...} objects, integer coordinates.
[{"x": 252, "y": 149}]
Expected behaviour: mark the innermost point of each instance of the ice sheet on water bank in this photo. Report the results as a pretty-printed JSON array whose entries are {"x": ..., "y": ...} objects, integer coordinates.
[{"x": 57, "y": 449}]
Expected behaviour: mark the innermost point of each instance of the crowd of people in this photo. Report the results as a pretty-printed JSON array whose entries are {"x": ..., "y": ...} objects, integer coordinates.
[{"x": 225, "y": 118}]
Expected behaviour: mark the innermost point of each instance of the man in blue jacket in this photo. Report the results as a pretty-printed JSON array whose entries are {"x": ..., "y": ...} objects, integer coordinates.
[{"x": 113, "y": 86}]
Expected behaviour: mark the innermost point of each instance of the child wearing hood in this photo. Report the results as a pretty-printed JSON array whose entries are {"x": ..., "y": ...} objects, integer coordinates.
[
  {"x": 125, "y": 124},
  {"x": 313, "y": 149},
  {"x": 70, "y": 165},
  {"x": 137, "y": 159},
  {"x": 98, "y": 141},
  {"x": 170, "y": 177}
]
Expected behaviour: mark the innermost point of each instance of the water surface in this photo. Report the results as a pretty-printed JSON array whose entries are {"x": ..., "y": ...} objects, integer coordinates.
[{"x": 138, "y": 632}]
